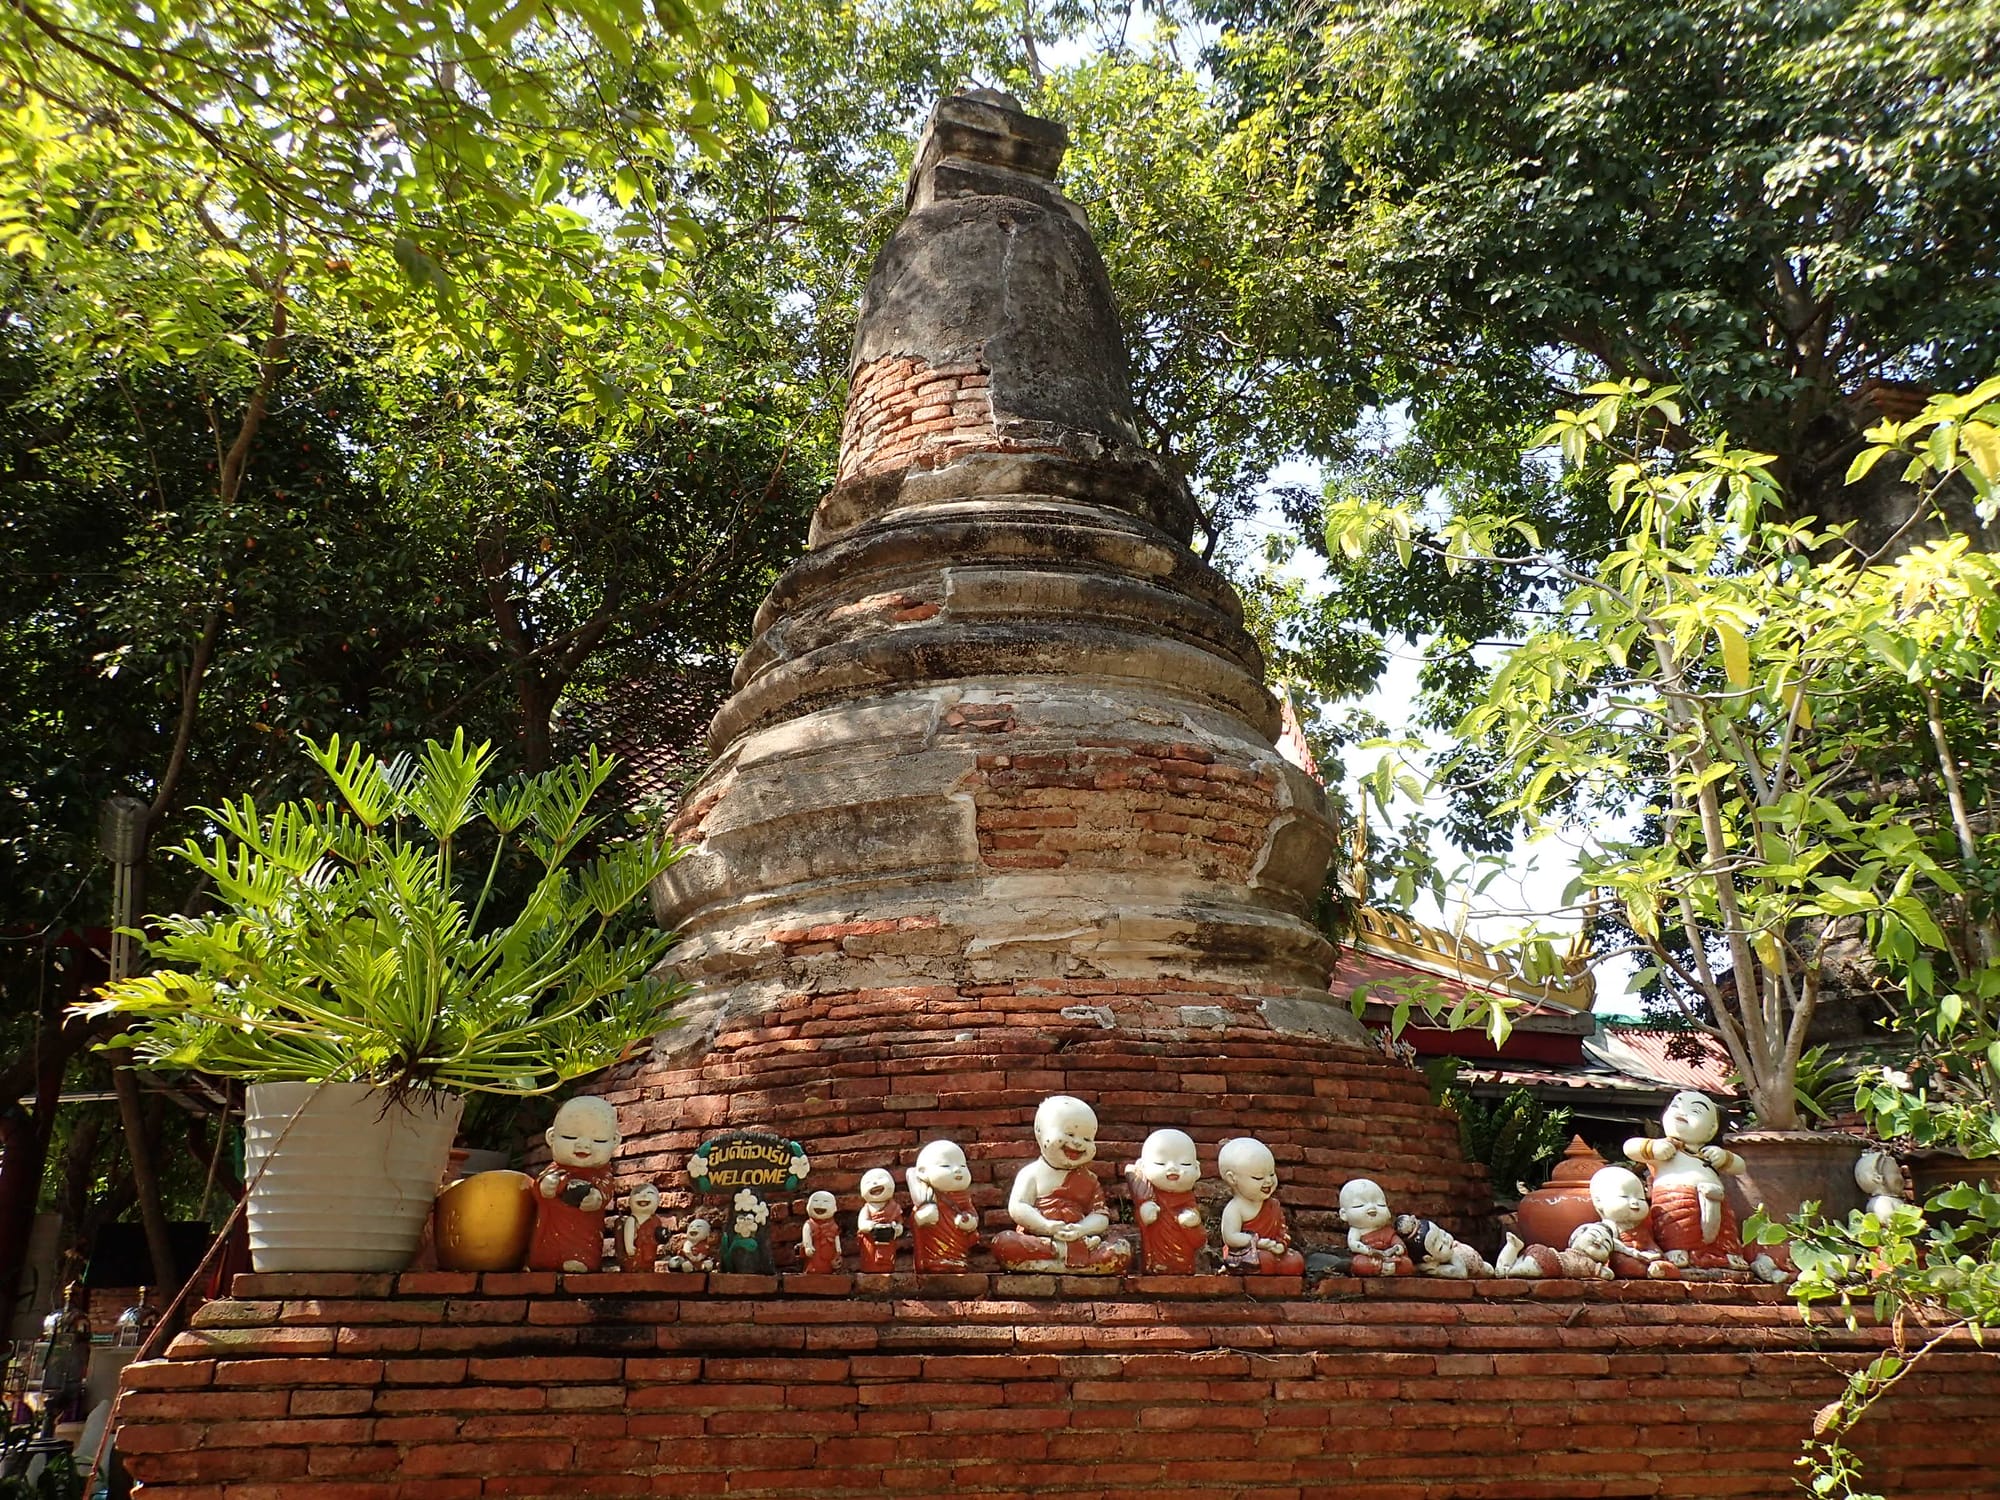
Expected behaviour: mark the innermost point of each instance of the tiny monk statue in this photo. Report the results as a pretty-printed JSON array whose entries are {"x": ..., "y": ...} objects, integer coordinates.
[
  {"x": 946, "y": 1223},
  {"x": 819, "y": 1240},
  {"x": 1620, "y": 1200},
  {"x": 695, "y": 1249},
  {"x": 1163, "y": 1179},
  {"x": 1371, "y": 1232},
  {"x": 640, "y": 1231},
  {"x": 573, "y": 1189},
  {"x": 880, "y": 1223},
  {"x": 1254, "y": 1237},
  {"x": 1587, "y": 1258},
  {"x": 1058, "y": 1203}
]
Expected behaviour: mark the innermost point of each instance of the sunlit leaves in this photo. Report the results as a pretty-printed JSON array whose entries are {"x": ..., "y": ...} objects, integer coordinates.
[
  {"x": 462, "y": 181},
  {"x": 348, "y": 949}
]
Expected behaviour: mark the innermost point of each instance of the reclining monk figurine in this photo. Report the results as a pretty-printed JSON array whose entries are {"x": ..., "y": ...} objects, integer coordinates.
[
  {"x": 1058, "y": 1203},
  {"x": 1692, "y": 1220}
]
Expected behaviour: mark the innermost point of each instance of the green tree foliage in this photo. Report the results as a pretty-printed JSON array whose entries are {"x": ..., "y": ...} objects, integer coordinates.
[
  {"x": 1700, "y": 671},
  {"x": 1769, "y": 207}
]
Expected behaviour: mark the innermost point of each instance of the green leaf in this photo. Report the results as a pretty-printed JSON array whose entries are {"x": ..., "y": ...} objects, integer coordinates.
[{"x": 1735, "y": 653}]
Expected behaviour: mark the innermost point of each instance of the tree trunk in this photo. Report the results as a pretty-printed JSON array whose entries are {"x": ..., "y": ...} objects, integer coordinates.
[
  {"x": 24, "y": 1148},
  {"x": 146, "y": 1181}
]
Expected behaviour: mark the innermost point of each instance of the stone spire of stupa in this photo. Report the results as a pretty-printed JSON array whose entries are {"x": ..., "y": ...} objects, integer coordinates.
[{"x": 995, "y": 809}]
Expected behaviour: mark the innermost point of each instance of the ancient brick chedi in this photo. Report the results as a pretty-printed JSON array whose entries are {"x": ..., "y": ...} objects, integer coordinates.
[
  {"x": 996, "y": 814},
  {"x": 995, "y": 810}
]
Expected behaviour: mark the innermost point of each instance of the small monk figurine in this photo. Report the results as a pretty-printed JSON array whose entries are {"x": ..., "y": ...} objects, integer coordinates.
[
  {"x": 1587, "y": 1258},
  {"x": 819, "y": 1240},
  {"x": 946, "y": 1225},
  {"x": 695, "y": 1250},
  {"x": 1692, "y": 1220},
  {"x": 1057, "y": 1203},
  {"x": 1171, "y": 1232},
  {"x": 1620, "y": 1200},
  {"x": 1880, "y": 1176},
  {"x": 879, "y": 1225},
  {"x": 640, "y": 1231},
  {"x": 1372, "y": 1241},
  {"x": 1439, "y": 1252},
  {"x": 574, "y": 1188},
  {"x": 1255, "y": 1240}
]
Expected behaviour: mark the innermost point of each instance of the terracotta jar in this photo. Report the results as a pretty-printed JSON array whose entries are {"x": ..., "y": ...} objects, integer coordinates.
[
  {"x": 1561, "y": 1206},
  {"x": 1934, "y": 1171}
]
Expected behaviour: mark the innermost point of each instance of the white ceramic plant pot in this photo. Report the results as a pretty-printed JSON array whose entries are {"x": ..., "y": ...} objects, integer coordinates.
[{"x": 350, "y": 1182}]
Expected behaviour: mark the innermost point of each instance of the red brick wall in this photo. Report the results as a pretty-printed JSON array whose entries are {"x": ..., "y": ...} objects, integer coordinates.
[
  {"x": 445, "y": 1386},
  {"x": 863, "y": 1078},
  {"x": 1095, "y": 806},
  {"x": 902, "y": 411}
]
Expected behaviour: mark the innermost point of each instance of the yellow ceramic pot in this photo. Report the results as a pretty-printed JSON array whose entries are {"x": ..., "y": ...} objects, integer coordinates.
[{"x": 484, "y": 1222}]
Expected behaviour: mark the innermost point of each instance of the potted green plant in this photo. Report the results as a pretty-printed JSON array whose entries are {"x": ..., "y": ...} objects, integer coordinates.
[{"x": 361, "y": 980}]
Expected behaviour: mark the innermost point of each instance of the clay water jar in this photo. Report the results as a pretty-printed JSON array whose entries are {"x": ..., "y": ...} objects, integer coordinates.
[
  {"x": 1561, "y": 1206},
  {"x": 1783, "y": 1170}
]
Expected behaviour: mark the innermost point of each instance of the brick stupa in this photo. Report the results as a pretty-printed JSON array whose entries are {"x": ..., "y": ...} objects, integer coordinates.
[
  {"x": 995, "y": 814},
  {"x": 995, "y": 810}
]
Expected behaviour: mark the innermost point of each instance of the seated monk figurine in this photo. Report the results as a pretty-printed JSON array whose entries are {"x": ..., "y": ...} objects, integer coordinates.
[
  {"x": 695, "y": 1250},
  {"x": 945, "y": 1225},
  {"x": 879, "y": 1225},
  {"x": 1620, "y": 1200},
  {"x": 1587, "y": 1258},
  {"x": 1057, "y": 1203},
  {"x": 819, "y": 1237},
  {"x": 1171, "y": 1233},
  {"x": 1372, "y": 1241},
  {"x": 574, "y": 1189},
  {"x": 1692, "y": 1220},
  {"x": 1255, "y": 1240}
]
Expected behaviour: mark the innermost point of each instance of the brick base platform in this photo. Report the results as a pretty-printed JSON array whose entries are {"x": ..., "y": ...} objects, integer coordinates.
[{"x": 446, "y": 1386}]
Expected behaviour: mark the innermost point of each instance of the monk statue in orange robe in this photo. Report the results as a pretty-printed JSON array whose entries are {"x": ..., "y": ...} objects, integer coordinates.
[
  {"x": 1692, "y": 1220},
  {"x": 1255, "y": 1238},
  {"x": 945, "y": 1225},
  {"x": 574, "y": 1189},
  {"x": 1620, "y": 1200},
  {"x": 1372, "y": 1242},
  {"x": 1171, "y": 1232},
  {"x": 1057, "y": 1203}
]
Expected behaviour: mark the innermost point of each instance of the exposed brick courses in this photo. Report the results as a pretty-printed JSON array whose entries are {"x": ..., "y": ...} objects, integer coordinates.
[
  {"x": 904, "y": 413},
  {"x": 1005, "y": 1386}
]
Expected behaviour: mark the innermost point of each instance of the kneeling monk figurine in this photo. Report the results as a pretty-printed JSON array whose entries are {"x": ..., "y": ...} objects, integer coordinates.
[
  {"x": 1058, "y": 1203},
  {"x": 1692, "y": 1220}
]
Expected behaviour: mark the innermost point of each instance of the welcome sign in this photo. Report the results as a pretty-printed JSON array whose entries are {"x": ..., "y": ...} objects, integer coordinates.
[{"x": 748, "y": 1159}]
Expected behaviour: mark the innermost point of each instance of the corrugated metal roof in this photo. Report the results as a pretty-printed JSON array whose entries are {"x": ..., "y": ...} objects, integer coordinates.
[
  {"x": 1643, "y": 1052},
  {"x": 1594, "y": 1080}
]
